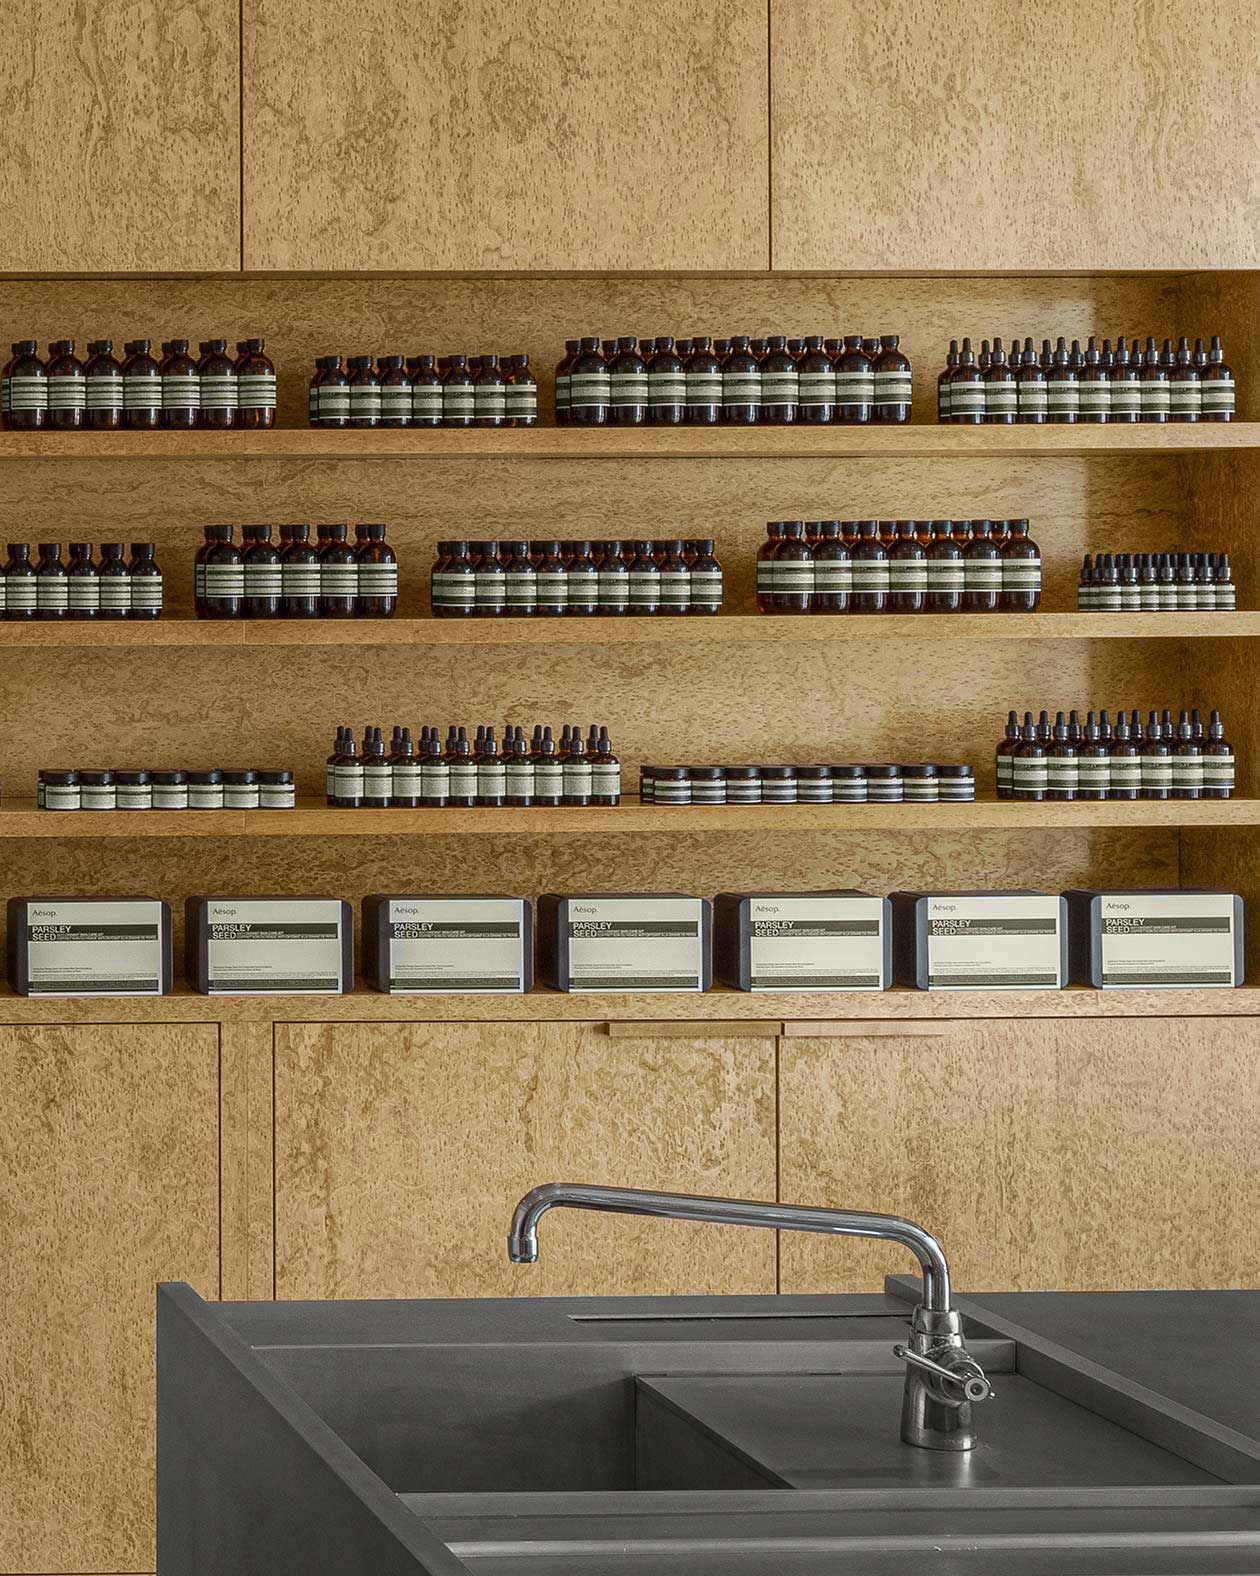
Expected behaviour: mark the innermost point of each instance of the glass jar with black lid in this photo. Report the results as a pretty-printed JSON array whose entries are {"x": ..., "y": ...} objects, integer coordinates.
[
  {"x": 133, "y": 790},
  {"x": 276, "y": 790},
  {"x": 169, "y": 789},
  {"x": 743, "y": 784},
  {"x": 708, "y": 784},
  {"x": 240, "y": 790},
  {"x": 205, "y": 790}
]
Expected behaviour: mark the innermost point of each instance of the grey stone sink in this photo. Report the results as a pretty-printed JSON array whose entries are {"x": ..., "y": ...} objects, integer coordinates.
[{"x": 706, "y": 1436}]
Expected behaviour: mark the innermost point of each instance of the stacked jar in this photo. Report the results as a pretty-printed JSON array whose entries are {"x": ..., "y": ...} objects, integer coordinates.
[{"x": 743, "y": 380}]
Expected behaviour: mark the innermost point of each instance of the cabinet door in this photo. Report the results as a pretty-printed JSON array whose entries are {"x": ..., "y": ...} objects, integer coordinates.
[
  {"x": 119, "y": 138},
  {"x": 402, "y": 1149},
  {"x": 482, "y": 134},
  {"x": 984, "y": 134},
  {"x": 1044, "y": 1153},
  {"x": 109, "y": 1183}
]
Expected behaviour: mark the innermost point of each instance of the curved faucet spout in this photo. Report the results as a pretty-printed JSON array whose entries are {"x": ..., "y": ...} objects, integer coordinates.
[{"x": 523, "y": 1237}]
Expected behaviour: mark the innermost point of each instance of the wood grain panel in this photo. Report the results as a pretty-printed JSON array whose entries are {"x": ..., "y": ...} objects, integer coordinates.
[
  {"x": 401, "y": 1152},
  {"x": 1046, "y": 1154},
  {"x": 307, "y": 317},
  {"x": 977, "y": 134},
  {"x": 119, "y": 136},
  {"x": 246, "y": 1119},
  {"x": 108, "y": 1184},
  {"x": 477, "y": 134}
]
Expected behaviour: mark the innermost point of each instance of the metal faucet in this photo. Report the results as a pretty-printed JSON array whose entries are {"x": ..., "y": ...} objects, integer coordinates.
[{"x": 943, "y": 1380}]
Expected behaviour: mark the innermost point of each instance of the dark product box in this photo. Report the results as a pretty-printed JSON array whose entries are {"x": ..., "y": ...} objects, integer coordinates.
[
  {"x": 806, "y": 941},
  {"x": 268, "y": 946},
  {"x": 479, "y": 944},
  {"x": 980, "y": 940},
  {"x": 76, "y": 946},
  {"x": 1145, "y": 940},
  {"x": 615, "y": 941}
]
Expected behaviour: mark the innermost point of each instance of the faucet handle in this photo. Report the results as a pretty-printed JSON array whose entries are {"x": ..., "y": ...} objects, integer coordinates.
[{"x": 966, "y": 1382}]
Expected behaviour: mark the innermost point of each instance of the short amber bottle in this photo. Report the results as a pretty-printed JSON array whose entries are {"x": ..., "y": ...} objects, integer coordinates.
[
  {"x": 395, "y": 392},
  {"x": 67, "y": 387},
  {"x": 255, "y": 385},
  {"x": 104, "y": 377},
  {"x": 181, "y": 387},
  {"x": 216, "y": 376}
]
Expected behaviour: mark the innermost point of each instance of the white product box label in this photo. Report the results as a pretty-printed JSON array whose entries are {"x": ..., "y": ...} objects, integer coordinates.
[
  {"x": 816, "y": 943},
  {"x": 627, "y": 943},
  {"x": 94, "y": 948},
  {"x": 1152, "y": 939},
  {"x": 994, "y": 943},
  {"x": 289, "y": 948},
  {"x": 472, "y": 945}
]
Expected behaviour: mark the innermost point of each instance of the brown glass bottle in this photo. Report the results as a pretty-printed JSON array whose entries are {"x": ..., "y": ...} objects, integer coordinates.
[
  {"x": 489, "y": 394},
  {"x": 1029, "y": 768},
  {"x": 944, "y": 570},
  {"x": 1030, "y": 387},
  {"x": 581, "y": 582},
  {"x": 426, "y": 392},
  {"x": 675, "y": 581},
  {"x": 1156, "y": 394},
  {"x": 590, "y": 387},
  {"x": 893, "y": 382},
  {"x": 338, "y": 575},
  {"x": 855, "y": 384},
  {"x": 551, "y": 581},
  {"x": 104, "y": 379},
  {"x": 67, "y": 387},
  {"x": 966, "y": 390},
  {"x": 816, "y": 382},
  {"x": 27, "y": 382},
  {"x": 263, "y": 574},
  {"x": 377, "y": 574},
  {"x": 780, "y": 383},
  {"x": 51, "y": 592},
  {"x": 299, "y": 575},
  {"x": 142, "y": 387},
  {"x": 766, "y": 584},
  {"x": 255, "y": 385},
  {"x": 145, "y": 588},
  {"x": 1063, "y": 391},
  {"x": 793, "y": 570},
  {"x": 365, "y": 393},
  {"x": 458, "y": 573},
  {"x": 563, "y": 368},
  {"x": 114, "y": 583},
  {"x": 667, "y": 385},
  {"x": 181, "y": 387},
  {"x": 704, "y": 384},
  {"x": 83, "y": 592},
  {"x": 628, "y": 385},
  {"x": 1094, "y": 387},
  {"x": 1126, "y": 384},
  {"x": 395, "y": 391},
  {"x": 458, "y": 397},
  {"x": 1184, "y": 385},
  {"x": 741, "y": 384},
  {"x": 868, "y": 559},
  {"x": 982, "y": 570},
  {"x": 216, "y": 378},
  {"x": 1217, "y": 386},
  {"x": 1004, "y": 756},
  {"x": 1021, "y": 571},
  {"x": 521, "y": 393},
  {"x": 907, "y": 571},
  {"x": 944, "y": 382}
]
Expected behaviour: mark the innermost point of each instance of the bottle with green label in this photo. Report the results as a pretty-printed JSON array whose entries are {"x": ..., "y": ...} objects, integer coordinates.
[
  {"x": 395, "y": 392},
  {"x": 103, "y": 378},
  {"x": 255, "y": 385},
  {"x": 894, "y": 387}
]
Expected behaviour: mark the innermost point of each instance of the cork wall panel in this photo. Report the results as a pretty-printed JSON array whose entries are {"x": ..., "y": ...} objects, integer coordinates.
[
  {"x": 973, "y": 134},
  {"x": 477, "y": 134},
  {"x": 685, "y": 861},
  {"x": 119, "y": 135},
  {"x": 302, "y": 318},
  {"x": 401, "y": 1152},
  {"x": 108, "y": 1184},
  {"x": 1029, "y": 1149}
]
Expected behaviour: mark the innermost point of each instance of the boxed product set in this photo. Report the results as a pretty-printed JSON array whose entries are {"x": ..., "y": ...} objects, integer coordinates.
[{"x": 484, "y": 944}]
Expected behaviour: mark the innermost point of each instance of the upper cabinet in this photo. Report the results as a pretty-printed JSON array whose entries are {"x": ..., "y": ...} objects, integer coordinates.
[
  {"x": 119, "y": 136},
  {"x": 981, "y": 134},
  {"x": 483, "y": 134}
]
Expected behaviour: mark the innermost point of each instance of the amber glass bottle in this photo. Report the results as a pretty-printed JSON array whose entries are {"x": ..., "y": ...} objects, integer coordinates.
[
  {"x": 216, "y": 376},
  {"x": 855, "y": 383},
  {"x": 338, "y": 575},
  {"x": 255, "y": 385},
  {"x": 104, "y": 377},
  {"x": 395, "y": 392},
  {"x": 907, "y": 571},
  {"x": 365, "y": 393},
  {"x": 489, "y": 394},
  {"x": 704, "y": 383},
  {"x": 181, "y": 387},
  {"x": 893, "y": 382},
  {"x": 27, "y": 381},
  {"x": 780, "y": 383},
  {"x": 67, "y": 387}
]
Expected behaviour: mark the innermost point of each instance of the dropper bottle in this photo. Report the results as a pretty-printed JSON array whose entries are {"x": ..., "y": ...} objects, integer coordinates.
[
  {"x": 1006, "y": 754},
  {"x": 548, "y": 771},
  {"x": 1061, "y": 764},
  {"x": 462, "y": 770},
  {"x": 1156, "y": 761},
  {"x": 1218, "y": 761}
]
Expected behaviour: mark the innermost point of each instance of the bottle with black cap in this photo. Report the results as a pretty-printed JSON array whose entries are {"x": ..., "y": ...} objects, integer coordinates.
[
  {"x": 793, "y": 570},
  {"x": 581, "y": 581},
  {"x": 1031, "y": 396},
  {"x": 142, "y": 387},
  {"x": 548, "y": 771},
  {"x": 780, "y": 383},
  {"x": 741, "y": 384},
  {"x": 491, "y": 772},
  {"x": 395, "y": 391},
  {"x": 435, "y": 771},
  {"x": 1218, "y": 761},
  {"x": 704, "y": 577},
  {"x": 426, "y": 391},
  {"x": 1156, "y": 764},
  {"x": 907, "y": 571},
  {"x": 330, "y": 766},
  {"x": 605, "y": 772},
  {"x": 338, "y": 575},
  {"x": 577, "y": 773},
  {"x": 1021, "y": 571},
  {"x": 563, "y": 368},
  {"x": 1063, "y": 390},
  {"x": 67, "y": 387},
  {"x": 52, "y": 597},
  {"x": 1062, "y": 775},
  {"x": 1187, "y": 762},
  {"x": 966, "y": 390},
  {"x": 894, "y": 387},
  {"x": 1216, "y": 386},
  {"x": 855, "y": 383},
  {"x": 1005, "y": 754},
  {"x": 629, "y": 385},
  {"x": 1094, "y": 386},
  {"x": 704, "y": 383},
  {"x": 816, "y": 383},
  {"x": 1156, "y": 392},
  {"x": 103, "y": 378},
  {"x": 944, "y": 383},
  {"x": 982, "y": 570},
  {"x": 404, "y": 766},
  {"x": 868, "y": 565},
  {"x": 255, "y": 385},
  {"x": 489, "y": 580},
  {"x": 667, "y": 384},
  {"x": 1093, "y": 762},
  {"x": 1185, "y": 388},
  {"x": 1124, "y": 765},
  {"x": 348, "y": 774},
  {"x": 1029, "y": 771},
  {"x": 551, "y": 581},
  {"x": 261, "y": 564},
  {"x": 518, "y": 770},
  {"x": 223, "y": 576},
  {"x": 1001, "y": 392},
  {"x": 216, "y": 386},
  {"x": 83, "y": 587},
  {"x": 833, "y": 577},
  {"x": 1127, "y": 576},
  {"x": 461, "y": 770},
  {"x": 520, "y": 579},
  {"x": 181, "y": 387},
  {"x": 766, "y": 584},
  {"x": 144, "y": 588},
  {"x": 365, "y": 393},
  {"x": 26, "y": 386},
  {"x": 378, "y": 772},
  {"x": 1225, "y": 597},
  {"x": 644, "y": 580},
  {"x": 944, "y": 559}
]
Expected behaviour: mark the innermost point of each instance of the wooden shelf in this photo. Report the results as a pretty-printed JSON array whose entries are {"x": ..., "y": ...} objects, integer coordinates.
[
  {"x": 724, "y": 628},
  {"x": 313, "y": 818},
  {"x": 800, "y": 1012},
  {"x": 916, "y": 441}
]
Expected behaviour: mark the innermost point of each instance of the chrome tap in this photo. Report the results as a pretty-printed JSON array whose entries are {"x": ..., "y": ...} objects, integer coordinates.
[{"x": 943, "y": 1380}]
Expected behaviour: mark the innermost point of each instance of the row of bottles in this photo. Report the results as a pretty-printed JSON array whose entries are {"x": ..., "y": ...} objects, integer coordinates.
[
  {"x": 1156, "y": 583},
  {"x": 744, "y": 380},
  {"x": 139, "y": 392},
  {"x": 423, "y": 391},
  {"x": 575, "y": 579},
  {"x": 1097, "y": 384},
  {"x": 898, "y": 566},
  {"x": 855, "y": 782},
  {"x": 1128, "y": 760},
  {"x": 465, "y": 772},
  {"x": 80, "y": 588},
  {"x": 216, "y": 788},
  {"x": 293, "y": 578}
]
